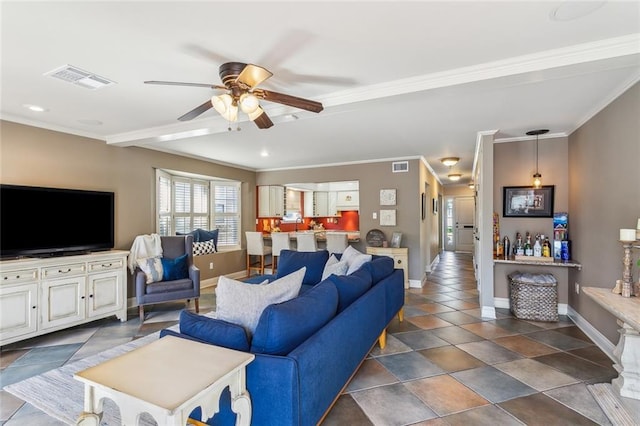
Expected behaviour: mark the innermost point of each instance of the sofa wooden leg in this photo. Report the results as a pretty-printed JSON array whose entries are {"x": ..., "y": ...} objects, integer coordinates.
[
  {"x": 197, "y": 302},
  {"x": 401, "y": 315},
  {"x": 382, "y": 340},
  {"x": 141, "y": 312}
]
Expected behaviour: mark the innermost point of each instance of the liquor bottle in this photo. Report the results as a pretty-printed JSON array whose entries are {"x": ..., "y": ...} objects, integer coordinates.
[
  {"x": 546, "y": 248},
  {"x": 499, "y": 248},
  {"x": 506, "y": 245},
  {"x": 537, "y": 247},
  {"x": 519, "y": 247},
  {"x": 528, "y": 250}
]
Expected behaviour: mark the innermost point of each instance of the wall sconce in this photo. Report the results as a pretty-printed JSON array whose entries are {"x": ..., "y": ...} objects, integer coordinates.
[{"x": 537, "y": 177}]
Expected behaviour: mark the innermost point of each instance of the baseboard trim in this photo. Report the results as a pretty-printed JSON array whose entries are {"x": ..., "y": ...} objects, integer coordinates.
[
  {"x": 592, "y": 333},
  {"x": 433, "y": 264},
  {"x": 505, "y": 303},
  {"x": 488, "y": 312}
]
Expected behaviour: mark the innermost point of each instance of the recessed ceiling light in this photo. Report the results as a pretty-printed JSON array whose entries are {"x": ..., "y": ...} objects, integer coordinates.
[
  {"x": 35, "y": 108},
  {"x": 264, "y": 154},
  {"x": 454, "y": 176}
]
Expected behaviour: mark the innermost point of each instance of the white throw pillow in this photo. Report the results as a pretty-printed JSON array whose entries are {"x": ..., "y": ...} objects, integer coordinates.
[
  {"x": 242, "y": 303},
  {"x": 335, "y": 267},
  {"x": 354, "y": 259},
  {"x": 152, "y": 268}
]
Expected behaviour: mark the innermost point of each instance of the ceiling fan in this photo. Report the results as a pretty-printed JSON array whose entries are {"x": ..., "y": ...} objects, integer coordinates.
[{"x": 239, "y": 83}]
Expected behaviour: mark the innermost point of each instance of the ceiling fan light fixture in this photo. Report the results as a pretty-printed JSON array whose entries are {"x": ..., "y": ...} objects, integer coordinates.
[
  {"x": 224, "y": 105},
  {"x": 454, "y": 177},
  {"x": 450, "y": 161},
  {"x": 248, "y": 103},
  {"x": 255, "y": 114}
]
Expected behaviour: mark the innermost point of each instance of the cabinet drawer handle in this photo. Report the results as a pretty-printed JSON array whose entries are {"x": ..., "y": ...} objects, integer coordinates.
[
  {"x": 33, "y": 307},
  {"x": 109, "y": 265},
  {"x": 60, "y": 271},
  {"x": 90, "y": 296},
  {"x": 81, "y": 297},
  {"x": 399, "y": 261}
]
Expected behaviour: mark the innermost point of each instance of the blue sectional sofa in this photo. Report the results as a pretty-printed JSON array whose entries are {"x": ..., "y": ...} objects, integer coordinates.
[{"x": 308, "y": 348}]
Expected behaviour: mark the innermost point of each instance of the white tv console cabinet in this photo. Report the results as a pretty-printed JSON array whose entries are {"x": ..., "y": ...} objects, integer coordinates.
[{"x": 41, "y": 295}]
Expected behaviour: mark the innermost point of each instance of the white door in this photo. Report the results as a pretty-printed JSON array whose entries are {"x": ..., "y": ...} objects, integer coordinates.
[{"x": 464, "y": 211}]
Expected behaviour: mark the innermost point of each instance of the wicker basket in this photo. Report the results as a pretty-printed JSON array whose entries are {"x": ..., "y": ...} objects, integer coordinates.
[{"x": 534, "y": 296}]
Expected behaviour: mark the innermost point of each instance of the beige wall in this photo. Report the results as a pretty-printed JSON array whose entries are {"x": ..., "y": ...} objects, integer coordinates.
[
  {"x": 514, "y": 165},
  {"x": 372, "y": 178},
  {"x": 604, "y": 196},
  {"x": 34, "y": 156}
]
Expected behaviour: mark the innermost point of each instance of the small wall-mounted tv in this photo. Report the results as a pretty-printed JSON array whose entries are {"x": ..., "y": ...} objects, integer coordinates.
[{"x": 37, "y": 221}]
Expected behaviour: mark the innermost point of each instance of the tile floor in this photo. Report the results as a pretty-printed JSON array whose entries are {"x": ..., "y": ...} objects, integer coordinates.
[{"x": 443, "y": 365}]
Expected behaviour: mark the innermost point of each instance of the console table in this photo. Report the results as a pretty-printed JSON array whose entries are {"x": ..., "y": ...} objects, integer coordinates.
[
  {"x": 400, "y": 258},
  {"x": 627, "y": 352},
  {"x": 168, "y": 379},
  {"x": 38, "y": 296}
]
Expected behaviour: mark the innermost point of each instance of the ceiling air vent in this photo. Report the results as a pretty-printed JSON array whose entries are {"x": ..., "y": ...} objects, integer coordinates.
[
  {"x": 400, "y": 166},
  {"x": 82, "y": 78}
]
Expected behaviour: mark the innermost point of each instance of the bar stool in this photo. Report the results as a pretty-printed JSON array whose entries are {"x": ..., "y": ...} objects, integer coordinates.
[
  {"x": 337, "y": 242},
  {"x": 279, "y": 241},
  {"x": 256, "y": 247},
  {"x": 306, "y": 241}
]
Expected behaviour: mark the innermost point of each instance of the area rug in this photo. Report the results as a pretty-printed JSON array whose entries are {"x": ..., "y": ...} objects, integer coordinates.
[
  {"x": 607, "y": 399},
  {"x": 61, "y": 396}
]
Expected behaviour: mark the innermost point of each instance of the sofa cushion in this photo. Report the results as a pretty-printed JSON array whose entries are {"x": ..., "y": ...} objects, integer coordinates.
[
  {"x": 334, "y": 266},
  {"x": 242, "y": 303},
  {"x": 214, "y": 331},
  {"x": 284, "y": 326},
  {"x": 291, "y": 260},
  {"x": 354, "y": 259},
  {"x": 350, "y": 287},
  {"x": 174, "y": 269},
  {"x": 152, "y": 268},
  {"x": 380, "y": 267}
]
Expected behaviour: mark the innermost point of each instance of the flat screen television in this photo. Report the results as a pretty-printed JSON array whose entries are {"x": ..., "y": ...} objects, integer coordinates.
[{"x": 37, "y": 221}]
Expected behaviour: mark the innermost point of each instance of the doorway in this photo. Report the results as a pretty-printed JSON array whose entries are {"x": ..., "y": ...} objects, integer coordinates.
[{"x": 458, "y": 224}]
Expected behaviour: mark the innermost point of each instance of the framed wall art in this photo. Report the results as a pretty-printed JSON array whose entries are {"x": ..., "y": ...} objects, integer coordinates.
[
  {"x": 387, "y": 218},
  {"x": 525, "y": 201},
  {"x": 387, "y": 197}
]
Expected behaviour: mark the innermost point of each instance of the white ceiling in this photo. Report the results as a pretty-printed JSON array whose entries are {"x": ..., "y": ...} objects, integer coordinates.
[{"x": 397, "y": 79}]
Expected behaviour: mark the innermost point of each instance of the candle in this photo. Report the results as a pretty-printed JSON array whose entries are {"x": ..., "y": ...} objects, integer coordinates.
[{"x": 627, "y": 235}]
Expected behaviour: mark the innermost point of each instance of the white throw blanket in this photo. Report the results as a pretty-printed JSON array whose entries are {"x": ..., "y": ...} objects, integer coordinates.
[{"x": 144, "y": 246}]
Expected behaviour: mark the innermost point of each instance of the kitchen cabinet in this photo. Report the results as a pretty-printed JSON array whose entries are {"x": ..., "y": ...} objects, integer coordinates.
[
  {"x": 38, "y": 296},
  {"x": 325, "y": 203},
  {"x": 271, "y": 201},
  {"x": 348, "y": 200}
]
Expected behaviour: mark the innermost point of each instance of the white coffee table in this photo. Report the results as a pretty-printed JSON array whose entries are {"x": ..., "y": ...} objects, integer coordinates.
[{"x": 168, "y": 379}]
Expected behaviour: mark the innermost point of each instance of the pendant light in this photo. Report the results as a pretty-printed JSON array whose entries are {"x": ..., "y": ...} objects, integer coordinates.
[{"x": 537, "y": 177}]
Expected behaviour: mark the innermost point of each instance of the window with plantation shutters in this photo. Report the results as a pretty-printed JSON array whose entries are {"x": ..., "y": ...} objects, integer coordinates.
[
  {"x": 226, "y": 212},
  {"x": 185, "y": 204}
]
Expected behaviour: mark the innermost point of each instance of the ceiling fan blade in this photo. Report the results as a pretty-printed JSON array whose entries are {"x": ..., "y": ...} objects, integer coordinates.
[
  {"x": 177, "y": 83},
  {"x": 293, "y": 101},
  {"x": 263, "y": 121},
  {"x": 252, "y": 75},
  {"x": 196, "y": 111}
]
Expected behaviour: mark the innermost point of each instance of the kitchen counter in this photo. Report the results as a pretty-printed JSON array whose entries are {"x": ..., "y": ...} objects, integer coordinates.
[{"x": 352, "y": 236}]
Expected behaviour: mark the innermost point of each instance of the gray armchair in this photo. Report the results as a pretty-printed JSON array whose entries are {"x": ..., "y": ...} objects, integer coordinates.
[{"x": 164, "y": 291}]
